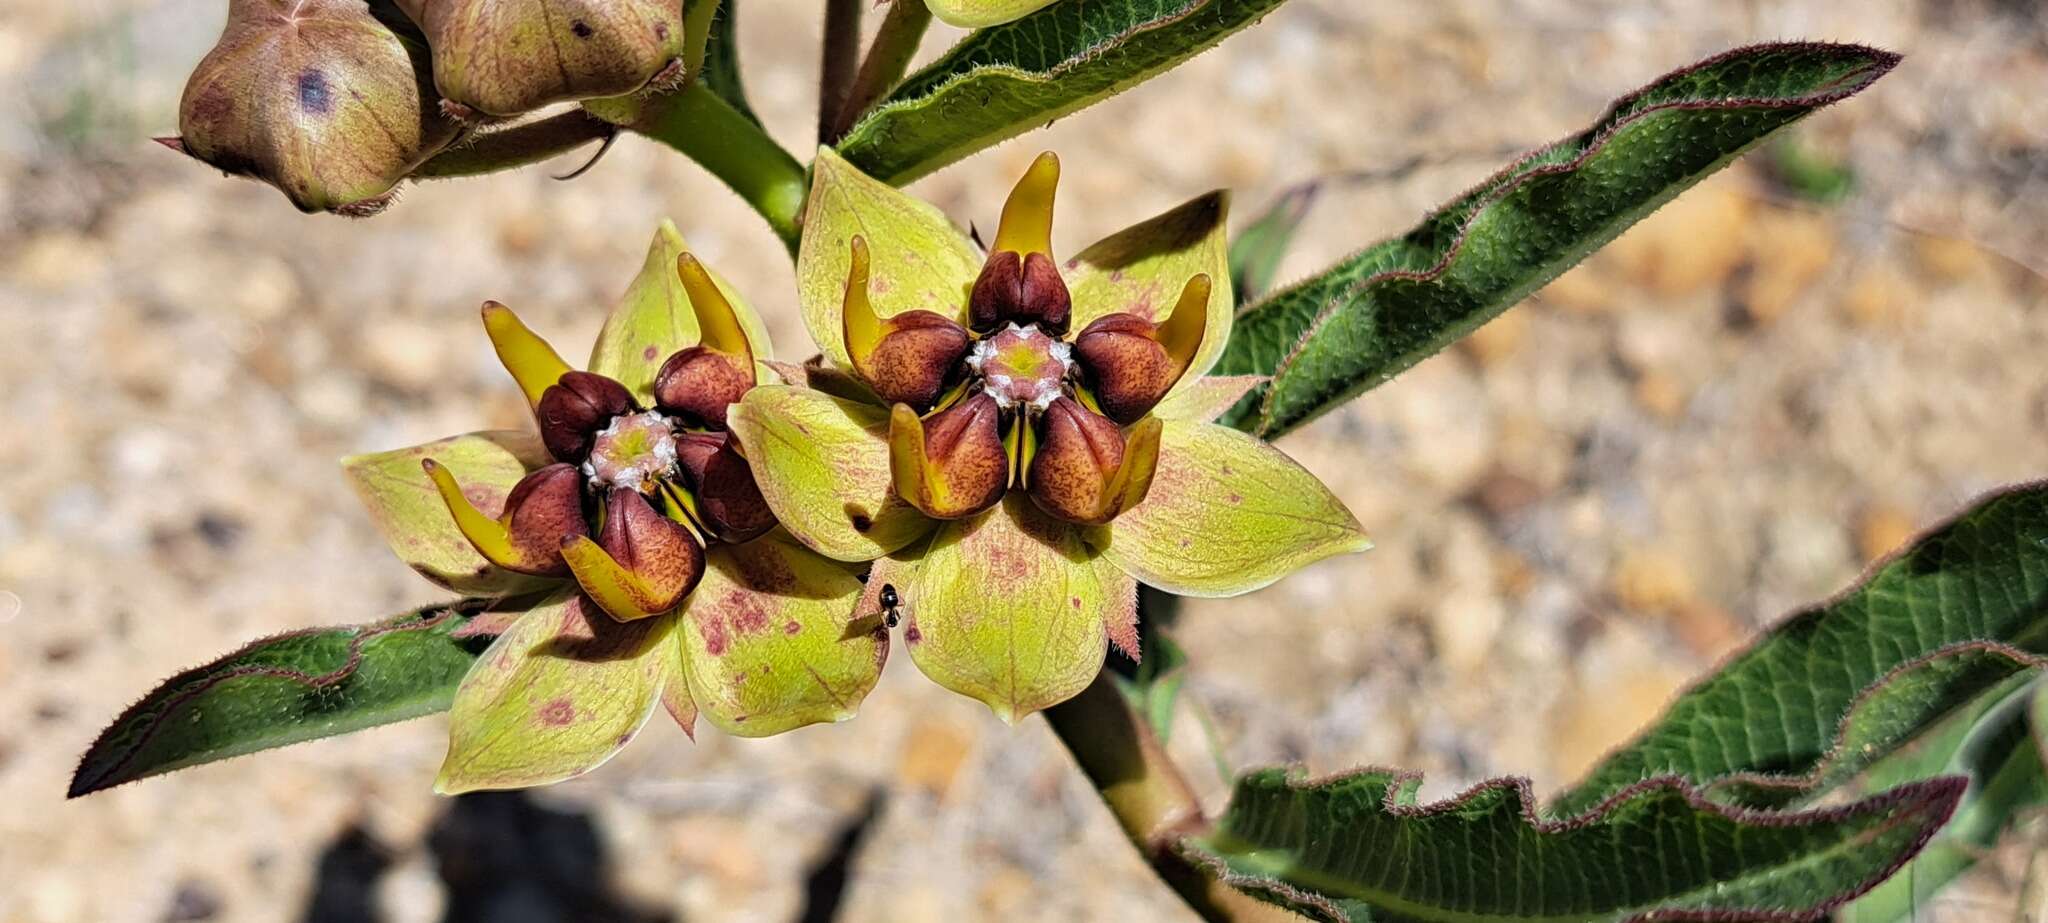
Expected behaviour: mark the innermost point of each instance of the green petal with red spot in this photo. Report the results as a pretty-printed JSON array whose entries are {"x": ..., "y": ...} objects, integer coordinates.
[
  {"x": 1226, "y": 514},
  {"x": 1201, "y": 399},
  {"x": 1009, "y": 607},
  {"x": 655, "y": 320},
  {"x": 974, "y": 14},
  {"x": 823, "y": 465},
  {"x": 554, "y": 697},
  {"x": 764, "y": 640},
  {"x": 408, "y": 510},
  {"x": 917, "y": 258},
  {"x": 1144, "y": 268}
]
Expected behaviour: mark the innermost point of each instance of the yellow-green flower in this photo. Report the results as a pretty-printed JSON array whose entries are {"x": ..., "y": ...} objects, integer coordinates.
[
  {"x": 633, "y": 522},
  {"x": 1017, "y": 442}
]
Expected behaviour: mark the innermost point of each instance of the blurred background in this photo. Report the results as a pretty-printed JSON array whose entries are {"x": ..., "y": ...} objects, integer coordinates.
[{"x": 1722, "y": 416}]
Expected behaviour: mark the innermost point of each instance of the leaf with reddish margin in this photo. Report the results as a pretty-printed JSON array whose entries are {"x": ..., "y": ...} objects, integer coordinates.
[
  {"x": 1359, "y": 847},
  {"x": 1833, "y": 688},
  {"x": 293, "y": 687},
  {"x": 1358, "y": 324}
]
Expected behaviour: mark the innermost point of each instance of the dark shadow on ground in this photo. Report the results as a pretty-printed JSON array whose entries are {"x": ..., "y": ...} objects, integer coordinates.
[{"x": 502, "y": 858}]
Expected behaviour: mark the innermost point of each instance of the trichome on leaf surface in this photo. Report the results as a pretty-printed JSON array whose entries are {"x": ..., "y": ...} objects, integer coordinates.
[{"x": 1010, "y": 460}]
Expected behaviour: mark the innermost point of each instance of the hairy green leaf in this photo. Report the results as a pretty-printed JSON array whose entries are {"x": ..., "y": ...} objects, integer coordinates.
[
  {"x": 293, "y": 687},
  {"x": 1389, "y": 306},
  {"x": 1990, "y": 743},
  {"x": 1834, "y": 687},
  {"x": 1004, "y": 80},
  {"x": 1256, "y": 253},
  {"x": 1359, "y": 847}
]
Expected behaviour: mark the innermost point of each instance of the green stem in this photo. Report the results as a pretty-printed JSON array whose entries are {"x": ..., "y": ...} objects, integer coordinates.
[
  {"x": 888, "y": 59},
  {"x": 516, "y": 146},
  {"x": 1148, "y": 796},
  {"x": 838, "y": 59},
  {"x": 708, "y": 130}
]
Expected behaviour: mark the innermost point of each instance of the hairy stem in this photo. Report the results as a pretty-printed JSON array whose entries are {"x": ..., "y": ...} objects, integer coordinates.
[
  {"x": 517, "y": 146},
  {"x": 1148, "y": 796},
  {"x": 888, "y": 58},
  {"x": 711, "y": 132},
  {"x": 840, "y": 55}
]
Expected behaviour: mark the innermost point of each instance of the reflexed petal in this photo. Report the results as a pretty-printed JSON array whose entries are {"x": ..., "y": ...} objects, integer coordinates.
[
  {"x": 1009, "y": 607},
  {"x": 1203, "y": 398},
  {"x": 656, "y": 319},
  {"x": 553, "y": 698},
  {"x": 1226, "y": 514},
  {"x": 918, "y": 260},
  {"x": 974, "y": 14},
  {"x": 533, "y": 363},
  {"x": 1144, "y": 269},
  {"x": 408, "y": 511},
  {"x": 764, "y": 640},
  {"x": 823, "y": 465}
]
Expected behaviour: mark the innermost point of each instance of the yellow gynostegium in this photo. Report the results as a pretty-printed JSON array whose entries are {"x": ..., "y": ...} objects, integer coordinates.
[
  {"x": 1016, "y": 443},
  {"x": 638, "y": 562}
]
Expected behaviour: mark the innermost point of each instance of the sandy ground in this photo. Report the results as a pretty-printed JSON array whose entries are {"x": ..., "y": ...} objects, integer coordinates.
[{"x": 1723, "y": 415}]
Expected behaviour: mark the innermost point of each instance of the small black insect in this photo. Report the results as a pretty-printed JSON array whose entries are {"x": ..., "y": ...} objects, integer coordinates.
[{"x": 890, "y": 614}]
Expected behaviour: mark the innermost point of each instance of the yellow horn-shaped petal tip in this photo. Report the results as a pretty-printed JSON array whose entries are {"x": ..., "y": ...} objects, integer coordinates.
[
  {"x": 491, "y": 538},
  {"x": 1141, "y": 459},
  {"x": 863, "y": 327},
  {"x": 532, "y": 362},
  {"x": 618, "y": 591},
  {"x": 718, "y": 323},
  {"x": 1181, "y": 332},
  {"x": 906, "y": 454},
  {"x": 1027, "y": 217}
]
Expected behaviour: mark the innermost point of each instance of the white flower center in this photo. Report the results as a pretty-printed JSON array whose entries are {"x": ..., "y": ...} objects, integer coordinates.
[
  {"x": 1022, "y": 366},
  {"x": 632, "y": 451}
]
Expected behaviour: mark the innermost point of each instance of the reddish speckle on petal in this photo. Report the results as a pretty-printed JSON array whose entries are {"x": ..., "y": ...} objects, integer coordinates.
[
  {"x": 1236, "y": 499},
  {"x": 715, "y": 638},
  {"x": 748, "y": 615},
  {"x": 649, "y": 353},
  {"x": 558, "y": 713},
  {"x": 910, "y": 633},
  {"x": 1074, "y": 601},
  {"x": 791, "y": 627}
]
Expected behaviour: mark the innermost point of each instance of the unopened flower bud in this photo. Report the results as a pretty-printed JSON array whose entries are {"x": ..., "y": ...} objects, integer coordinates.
[
  {"x": 544, "y": 508},
  {"x": 952, "y": 464},
  {"x": 574, "y": 408},
  {"x": 1020, "y": 289},
  {"x": 729, "y": 503},
  {"x": 505, "y": 57},
  {"x": 1126, "y": 366},
  {"x": 916, "y": 357},
  {"x": 320, "y": 98},
  {"x": 700, "y": 382}
]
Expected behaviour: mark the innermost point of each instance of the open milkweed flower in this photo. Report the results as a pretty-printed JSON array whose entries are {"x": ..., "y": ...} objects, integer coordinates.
[
  {"x": 660, "y": 573},
  {"x": 1017, "y": 442}
]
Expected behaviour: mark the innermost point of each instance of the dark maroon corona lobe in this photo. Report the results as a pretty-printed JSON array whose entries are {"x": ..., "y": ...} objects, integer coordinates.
[{"x": 573, "y": 409}]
